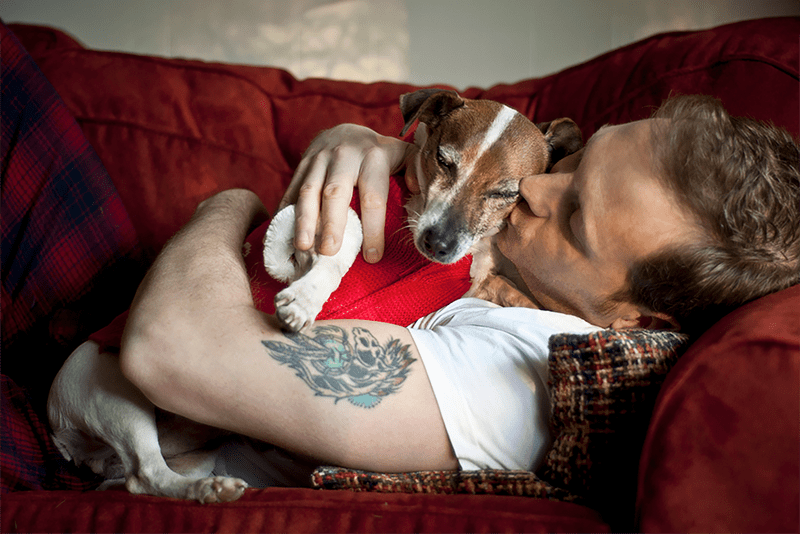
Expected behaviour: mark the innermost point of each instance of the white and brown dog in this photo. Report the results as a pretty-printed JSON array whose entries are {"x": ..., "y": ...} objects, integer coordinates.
[{"x": 472, "y": 155}]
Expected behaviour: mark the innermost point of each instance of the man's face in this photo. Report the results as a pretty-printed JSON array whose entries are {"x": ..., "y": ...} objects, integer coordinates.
[{"x": 580, "y": 228}]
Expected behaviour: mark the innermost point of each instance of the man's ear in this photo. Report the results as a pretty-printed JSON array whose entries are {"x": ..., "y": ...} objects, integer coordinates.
[{"x": 648, "y": 319}]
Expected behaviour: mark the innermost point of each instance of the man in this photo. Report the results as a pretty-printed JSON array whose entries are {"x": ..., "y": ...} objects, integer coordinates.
[{"x": 593, "y": 240}]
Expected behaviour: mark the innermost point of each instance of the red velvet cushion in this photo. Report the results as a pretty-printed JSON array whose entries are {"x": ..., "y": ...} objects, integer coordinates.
[
  {"x": 752, "y": 66},
  {"x": 722, "y": 452},
  {"x": 292, "y": 510}
]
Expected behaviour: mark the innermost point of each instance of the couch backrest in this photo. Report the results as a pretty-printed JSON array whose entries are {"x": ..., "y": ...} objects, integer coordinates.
[{"x": 171, "y": 132}]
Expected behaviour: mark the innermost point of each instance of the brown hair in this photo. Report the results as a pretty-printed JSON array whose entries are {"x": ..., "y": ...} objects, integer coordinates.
[{"x": 740, "y": 179}]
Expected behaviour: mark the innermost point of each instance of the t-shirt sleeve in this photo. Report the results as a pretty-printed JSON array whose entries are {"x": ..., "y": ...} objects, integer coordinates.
[{"x": 488, "y": 369}]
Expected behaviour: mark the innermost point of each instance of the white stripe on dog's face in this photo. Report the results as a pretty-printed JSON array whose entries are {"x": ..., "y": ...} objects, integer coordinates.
[
  {"x": 436, "y": 211},
  {"x": 499, "y": 125}
]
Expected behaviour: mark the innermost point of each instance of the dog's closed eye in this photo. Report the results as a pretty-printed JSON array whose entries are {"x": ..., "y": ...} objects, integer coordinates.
[
  {"x": 502, "y": 195},
  {"x": 448, "y": 157}
]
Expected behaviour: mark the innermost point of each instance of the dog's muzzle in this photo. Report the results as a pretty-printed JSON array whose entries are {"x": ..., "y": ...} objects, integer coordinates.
[{"x": 444, "y": 243}]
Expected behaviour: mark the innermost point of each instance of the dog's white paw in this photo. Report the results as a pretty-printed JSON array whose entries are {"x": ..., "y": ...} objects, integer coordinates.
[
  {"x": 295, "y": 309},
  {"x": 216, "y": 489}
]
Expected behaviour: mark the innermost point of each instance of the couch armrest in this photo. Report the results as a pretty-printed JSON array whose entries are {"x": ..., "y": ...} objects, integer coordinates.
[{"x": 722, "y": 449}]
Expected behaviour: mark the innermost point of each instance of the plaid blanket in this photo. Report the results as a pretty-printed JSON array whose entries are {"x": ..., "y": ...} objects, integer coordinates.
[{"x": 63, "y": 224}]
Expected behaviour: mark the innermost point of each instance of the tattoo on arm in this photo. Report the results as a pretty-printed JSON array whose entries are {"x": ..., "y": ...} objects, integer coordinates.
[{"x": 333, "y": 364}]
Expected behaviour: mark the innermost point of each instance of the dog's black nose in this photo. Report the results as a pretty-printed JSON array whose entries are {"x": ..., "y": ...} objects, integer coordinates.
[{"x": 437, "y": 245}]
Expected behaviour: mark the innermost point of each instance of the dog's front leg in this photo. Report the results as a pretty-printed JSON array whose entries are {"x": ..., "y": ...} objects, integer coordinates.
[
  {"x": 312, "y": 276},
  {"x": 298, "y": 305},
  {"x": 495, "y": 278}
]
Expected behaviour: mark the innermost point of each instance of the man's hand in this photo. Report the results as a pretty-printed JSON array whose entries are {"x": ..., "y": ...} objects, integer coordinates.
[{"x": 338, "y": 160}]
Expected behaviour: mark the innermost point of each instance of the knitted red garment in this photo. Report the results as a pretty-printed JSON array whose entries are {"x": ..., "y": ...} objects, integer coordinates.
[{"x": 399, "y": 289}]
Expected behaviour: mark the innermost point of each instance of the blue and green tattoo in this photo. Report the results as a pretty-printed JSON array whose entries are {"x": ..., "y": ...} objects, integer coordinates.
[{"x": 356, "y": 367}]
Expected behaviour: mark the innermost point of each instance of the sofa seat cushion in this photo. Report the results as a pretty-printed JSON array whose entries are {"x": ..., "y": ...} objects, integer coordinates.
[{"x": 292, "y": 510}]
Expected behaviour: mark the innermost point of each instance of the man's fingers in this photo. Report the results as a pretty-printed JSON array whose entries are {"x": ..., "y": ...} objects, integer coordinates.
[
  {"x": 336, "y": 195},
  {"x": 322, "y": 187},
  {"x": 373, "y": 217},
  {"x": 305, "y": 192},
  {"x": 373, "y": 191}
]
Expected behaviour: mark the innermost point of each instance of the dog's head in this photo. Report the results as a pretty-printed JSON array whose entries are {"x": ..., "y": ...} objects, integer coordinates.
[{"x": 472, "y": 156}]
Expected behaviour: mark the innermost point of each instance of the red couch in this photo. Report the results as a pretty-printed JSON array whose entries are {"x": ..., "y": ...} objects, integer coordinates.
[{"x": 722, "y": 445}]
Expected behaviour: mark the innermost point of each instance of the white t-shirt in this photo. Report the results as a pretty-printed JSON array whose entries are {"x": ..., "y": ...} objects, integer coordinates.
[{"x": 488, "y": 369}]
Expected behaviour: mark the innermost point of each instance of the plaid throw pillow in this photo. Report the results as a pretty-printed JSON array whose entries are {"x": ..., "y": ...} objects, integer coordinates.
[
  {"x": 602, "y": 387},
  {"x": 65, "y": 232}
]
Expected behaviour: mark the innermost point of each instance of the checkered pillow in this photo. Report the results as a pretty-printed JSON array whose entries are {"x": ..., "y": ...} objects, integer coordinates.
[
  {"x": 484, "y": 482},
  {"x": 602, "y": 387}
]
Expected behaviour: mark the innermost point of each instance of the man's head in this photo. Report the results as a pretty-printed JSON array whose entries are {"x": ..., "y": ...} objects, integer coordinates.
[
  {"x": 679, "y": 218},
  {"x": 740, "y": 179},
  {"x": 580, "y": 229}
]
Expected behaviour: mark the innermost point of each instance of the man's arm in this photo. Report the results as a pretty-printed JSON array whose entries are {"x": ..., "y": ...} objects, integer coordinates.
[{"x": 346, "y": 392}]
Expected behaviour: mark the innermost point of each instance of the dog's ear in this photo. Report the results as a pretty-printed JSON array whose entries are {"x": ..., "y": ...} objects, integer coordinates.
[
  {"x": 427, "y": 105},
  {"x": 563, "y": 138}
]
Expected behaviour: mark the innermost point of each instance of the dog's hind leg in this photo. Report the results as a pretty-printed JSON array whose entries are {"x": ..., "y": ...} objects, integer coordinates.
[{"x": 92, "y": 403}]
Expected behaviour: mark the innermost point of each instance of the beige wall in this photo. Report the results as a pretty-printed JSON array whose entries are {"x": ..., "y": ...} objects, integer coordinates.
[{"x": 459, "y": 42}]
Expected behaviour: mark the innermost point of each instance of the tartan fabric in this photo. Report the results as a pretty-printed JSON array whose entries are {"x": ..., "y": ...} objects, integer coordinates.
[
  {"x": 63, "y": 224},
  {"x": 603, "y": 387},
  {"x": 483, "y": 482},
  {"x": 30, "y": 460},
  {"x": 63, "y": 221}
]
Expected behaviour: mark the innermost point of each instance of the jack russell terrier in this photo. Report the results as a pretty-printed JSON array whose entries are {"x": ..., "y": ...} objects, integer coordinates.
[{"x": 471, "y": 157}]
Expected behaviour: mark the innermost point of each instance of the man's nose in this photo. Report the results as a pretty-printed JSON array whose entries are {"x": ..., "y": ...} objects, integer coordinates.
[{"x": 542, "y": 192}]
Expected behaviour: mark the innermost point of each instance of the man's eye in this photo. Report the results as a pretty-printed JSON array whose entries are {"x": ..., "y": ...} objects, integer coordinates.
[{"x": 574, "y": 227}]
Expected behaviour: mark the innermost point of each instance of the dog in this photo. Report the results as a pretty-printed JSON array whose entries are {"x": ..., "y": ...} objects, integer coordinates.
[{"x": 471, "y": 156}]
